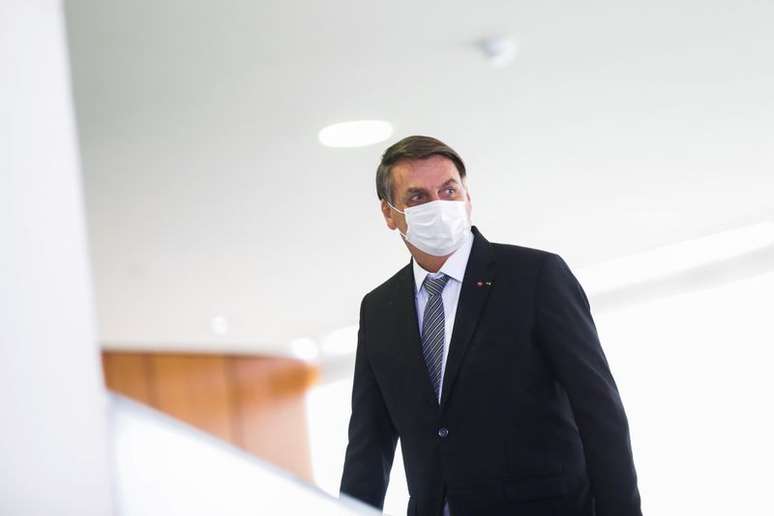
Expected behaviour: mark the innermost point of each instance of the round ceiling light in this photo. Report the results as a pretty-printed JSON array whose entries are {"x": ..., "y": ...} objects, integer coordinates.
[{"x": 357, "y": 133}]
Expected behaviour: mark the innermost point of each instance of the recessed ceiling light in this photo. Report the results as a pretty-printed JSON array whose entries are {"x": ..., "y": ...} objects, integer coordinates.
[
  {"x": 340, "y": 342},
  {"x": 304, "y": 348},
  {"x": 356, "y": 133},
  {"x": 219, "y": 325}
]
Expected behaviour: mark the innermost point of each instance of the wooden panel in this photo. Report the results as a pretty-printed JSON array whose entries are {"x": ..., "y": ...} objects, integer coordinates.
[
  {"x": 269, "y": 395},
  {"x": 195, "y": 389},
  {"x": 254, "y": 402},
  {"x": 129, "y": 374}
]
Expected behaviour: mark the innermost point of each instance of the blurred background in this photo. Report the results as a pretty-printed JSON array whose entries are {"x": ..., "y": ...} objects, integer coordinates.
[{"x": 188, "y": 229}]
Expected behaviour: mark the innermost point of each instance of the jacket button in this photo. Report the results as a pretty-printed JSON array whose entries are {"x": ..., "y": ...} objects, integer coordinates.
[{"x": 443, "y": 432}]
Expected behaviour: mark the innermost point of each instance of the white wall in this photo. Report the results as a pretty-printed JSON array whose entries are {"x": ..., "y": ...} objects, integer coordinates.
[
  {"x": 53, "y": 445},
  {"x": 694, "y": 371}
]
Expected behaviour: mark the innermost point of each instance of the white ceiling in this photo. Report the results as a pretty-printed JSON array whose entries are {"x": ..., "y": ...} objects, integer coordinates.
[{"x": 620, "y": 126}]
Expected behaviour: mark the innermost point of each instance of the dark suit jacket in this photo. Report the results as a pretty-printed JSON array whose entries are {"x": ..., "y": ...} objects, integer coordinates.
[{"x": 530, "y": 421}]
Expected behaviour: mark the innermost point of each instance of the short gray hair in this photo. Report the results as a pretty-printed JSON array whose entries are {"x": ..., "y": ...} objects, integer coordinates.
[{"x": 411, "y": 147}]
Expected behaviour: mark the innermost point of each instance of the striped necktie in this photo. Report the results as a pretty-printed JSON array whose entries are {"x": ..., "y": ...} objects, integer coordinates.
[{"x": 433, "y": 329}]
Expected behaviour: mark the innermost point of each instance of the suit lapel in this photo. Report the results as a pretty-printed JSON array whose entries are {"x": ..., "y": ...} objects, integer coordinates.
[
  {"x": 473, "y": 296},
  {"x": 408, "y": 335},
  {"x": 476, "y": 285}
]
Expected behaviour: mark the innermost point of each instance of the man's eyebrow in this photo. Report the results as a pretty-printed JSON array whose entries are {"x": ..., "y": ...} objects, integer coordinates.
[
  {"x": 416, "y": 189},
  {"x": 419, "y": 189}
]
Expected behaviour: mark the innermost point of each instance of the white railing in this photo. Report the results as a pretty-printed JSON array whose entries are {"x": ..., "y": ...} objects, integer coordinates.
[{"x": 167, "y": 468}]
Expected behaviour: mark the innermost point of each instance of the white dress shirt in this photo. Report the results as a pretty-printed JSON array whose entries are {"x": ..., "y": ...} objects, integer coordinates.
[{"x": 454, "y": 267}]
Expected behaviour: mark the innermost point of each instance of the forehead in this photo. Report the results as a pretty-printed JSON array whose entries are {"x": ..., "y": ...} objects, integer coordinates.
[{"x": 423, "y": 173}]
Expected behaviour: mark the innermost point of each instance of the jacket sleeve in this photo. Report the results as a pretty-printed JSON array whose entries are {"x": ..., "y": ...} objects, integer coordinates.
[
  {"x": 568, "y": 337},
  {"x": 372, "y": 436}
]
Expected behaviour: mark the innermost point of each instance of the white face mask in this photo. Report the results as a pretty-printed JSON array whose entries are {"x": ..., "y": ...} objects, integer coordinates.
[{"x": 437, "y": 227}]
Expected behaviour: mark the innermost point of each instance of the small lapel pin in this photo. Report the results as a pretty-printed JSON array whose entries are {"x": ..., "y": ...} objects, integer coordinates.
[{"x": 482, "y": 283}]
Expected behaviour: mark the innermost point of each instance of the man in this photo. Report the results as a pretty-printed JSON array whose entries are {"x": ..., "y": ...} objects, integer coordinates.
[{"x": 484, "y": 360}]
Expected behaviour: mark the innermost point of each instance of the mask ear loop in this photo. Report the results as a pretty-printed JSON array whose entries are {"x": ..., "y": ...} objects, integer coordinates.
[
  {"x": 402, "y": 213},
  {"x": 394, "y": 208}
]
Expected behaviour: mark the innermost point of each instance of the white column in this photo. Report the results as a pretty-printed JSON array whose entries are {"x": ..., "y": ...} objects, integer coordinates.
[{"x": 53, "y": 436}]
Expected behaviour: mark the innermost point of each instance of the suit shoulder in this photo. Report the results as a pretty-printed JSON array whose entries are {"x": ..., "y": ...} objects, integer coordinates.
[
  {"x": 536, "y": 263},
  {"x": 519, "y": 255}
]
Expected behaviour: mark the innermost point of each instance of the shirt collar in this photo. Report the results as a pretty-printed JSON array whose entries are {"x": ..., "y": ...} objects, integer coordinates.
[{"x": 454, "y": 266}]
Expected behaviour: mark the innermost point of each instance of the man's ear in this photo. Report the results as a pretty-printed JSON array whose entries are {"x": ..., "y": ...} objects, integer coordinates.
[{"x": 387, "y": 213}]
